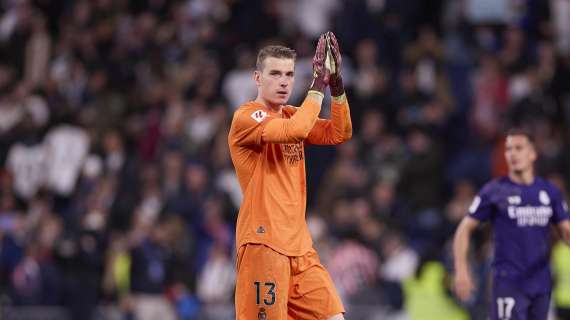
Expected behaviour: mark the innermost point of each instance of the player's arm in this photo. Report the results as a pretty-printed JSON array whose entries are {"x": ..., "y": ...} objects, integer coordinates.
[
  {"x": 252, "y": 126},
  {"x": 461, "y": 241},
  {"x": 296, "y": 128},
  {"x": 564, "y": 231},
  {"x": 339, "y": 128},
  {"x": 481, "y": 209},
  {"x": 560, "y": 216},
  {"x": 335, "y": 130}
]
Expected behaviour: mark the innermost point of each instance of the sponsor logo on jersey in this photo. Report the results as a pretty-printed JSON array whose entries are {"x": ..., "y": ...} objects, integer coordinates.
[
  {"x": 293, "y": 153},
  {"x": 527, "y": 215},
  {"x": 530, "y": 215},
  {"x": 258, "y": 115}
]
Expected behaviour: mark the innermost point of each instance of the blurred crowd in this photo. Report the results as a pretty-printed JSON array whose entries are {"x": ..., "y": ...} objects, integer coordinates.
[{"x": 117, "y": 194}]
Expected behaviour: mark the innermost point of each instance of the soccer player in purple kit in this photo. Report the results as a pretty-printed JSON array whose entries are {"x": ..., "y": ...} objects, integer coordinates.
[{"x": 521, "y": 207}]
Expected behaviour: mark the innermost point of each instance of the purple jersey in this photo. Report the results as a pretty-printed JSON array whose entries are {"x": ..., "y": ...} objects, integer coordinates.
[{"x": 521, "y": 216}]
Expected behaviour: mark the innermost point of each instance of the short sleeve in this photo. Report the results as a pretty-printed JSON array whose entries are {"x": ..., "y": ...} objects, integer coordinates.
[
  {"x": 247, "y": 126},
  {"x": 482, "y": 207},
  {"x": 559, "y": 206}
]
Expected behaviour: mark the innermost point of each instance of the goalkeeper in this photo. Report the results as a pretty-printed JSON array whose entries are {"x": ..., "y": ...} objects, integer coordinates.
[{"x": 279, "y": 275}]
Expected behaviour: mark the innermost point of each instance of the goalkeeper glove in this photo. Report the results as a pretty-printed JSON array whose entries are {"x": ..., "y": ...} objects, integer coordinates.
[
  {"x": 333, "y": 63},
  {"x": 321, "y": 75}
]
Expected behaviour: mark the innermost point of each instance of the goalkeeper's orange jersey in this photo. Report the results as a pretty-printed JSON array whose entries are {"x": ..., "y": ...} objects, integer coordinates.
[{"x": 267, "y": 150}]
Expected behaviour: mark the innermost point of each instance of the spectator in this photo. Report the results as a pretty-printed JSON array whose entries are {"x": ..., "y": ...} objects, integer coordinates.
[{"x": 152, "y": 272}]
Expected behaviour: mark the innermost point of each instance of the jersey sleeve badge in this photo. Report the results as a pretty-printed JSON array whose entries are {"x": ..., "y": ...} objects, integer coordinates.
[
  {"x": 258, "y": 115},
  {"x": 475, "y": 204}
]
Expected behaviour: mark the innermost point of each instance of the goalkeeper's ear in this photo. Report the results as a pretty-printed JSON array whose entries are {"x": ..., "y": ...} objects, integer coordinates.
[{"x": 257, "y": 77}]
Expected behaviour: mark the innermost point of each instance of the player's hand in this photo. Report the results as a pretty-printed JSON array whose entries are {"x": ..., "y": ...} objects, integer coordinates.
[
  {"x": 463, "y": 285},
  {"x": 321, "y": 75},
  {"x": 333, "y": 55}
]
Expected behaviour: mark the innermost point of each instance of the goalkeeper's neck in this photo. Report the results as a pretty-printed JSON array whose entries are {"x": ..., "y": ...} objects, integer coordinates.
[{"x": 275, "y": 107}]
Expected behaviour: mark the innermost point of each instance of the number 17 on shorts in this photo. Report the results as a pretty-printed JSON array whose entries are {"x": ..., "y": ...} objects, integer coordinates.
[
  {"x": 505, "y": 307},
  {"x": 512, "y": 303}
]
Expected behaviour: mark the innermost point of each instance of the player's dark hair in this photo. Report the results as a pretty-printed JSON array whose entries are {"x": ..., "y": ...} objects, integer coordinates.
[
  {"x": 274, "y": 51},
  {"x": 521, "y": 132}
]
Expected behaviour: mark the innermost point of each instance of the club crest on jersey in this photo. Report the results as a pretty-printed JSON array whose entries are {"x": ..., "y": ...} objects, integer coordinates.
[
  {"x": 514, "y": 200},
  {"x": 258, "y": 115},
  {"x": 543, "y": 197}
]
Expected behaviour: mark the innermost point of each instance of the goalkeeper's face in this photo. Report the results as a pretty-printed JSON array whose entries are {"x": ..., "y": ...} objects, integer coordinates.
[{"x": 275, "y": 81}]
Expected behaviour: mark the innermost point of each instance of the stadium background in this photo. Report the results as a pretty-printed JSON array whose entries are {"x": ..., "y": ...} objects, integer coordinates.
[{"x": 118, "y": 193}]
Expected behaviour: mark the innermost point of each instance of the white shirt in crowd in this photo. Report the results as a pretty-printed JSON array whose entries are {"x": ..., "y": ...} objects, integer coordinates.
[
  {"x": 217, "y": 280},
  {"x": 27, "y": 165},
  {"x": 66, "y": 150},
  {"x": 55, "y": 163}
]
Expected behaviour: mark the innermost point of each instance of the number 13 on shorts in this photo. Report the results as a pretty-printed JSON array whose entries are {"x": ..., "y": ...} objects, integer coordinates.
[{"x": 265, "y": 293}]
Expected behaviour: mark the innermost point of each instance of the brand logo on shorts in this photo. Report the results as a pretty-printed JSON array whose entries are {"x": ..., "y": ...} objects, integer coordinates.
[
  {"x": 262, "y": 315},
  {"x": 261, "y": 229}
]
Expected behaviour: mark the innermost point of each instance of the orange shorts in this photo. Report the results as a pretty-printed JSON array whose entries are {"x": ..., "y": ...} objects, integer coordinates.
[{"x": 273, "y": 286}]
